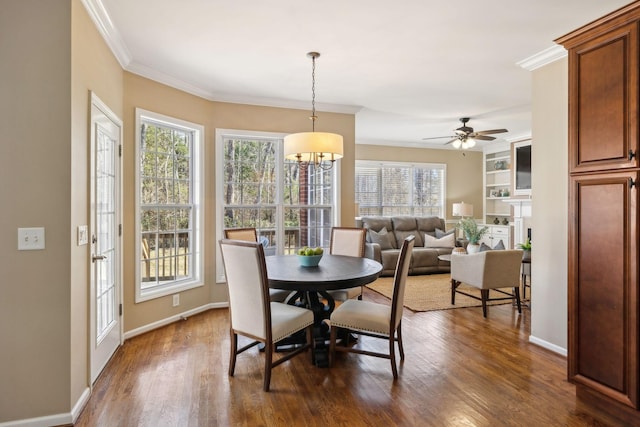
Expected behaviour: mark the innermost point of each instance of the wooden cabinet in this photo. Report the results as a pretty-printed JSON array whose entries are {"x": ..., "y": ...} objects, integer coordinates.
[
  {"x": 604, "y": 101},
  {"x": 603, "y": 290},
  {"x": 603, "y": 359}
]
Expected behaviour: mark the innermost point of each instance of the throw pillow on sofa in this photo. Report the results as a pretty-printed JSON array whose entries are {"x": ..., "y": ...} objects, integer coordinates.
[
  {"x": 498, "y": 247},
  {"x": 448, "y": 241},
  {"x": 440, "y": 233},
  {"x": 382, "y": 237}
]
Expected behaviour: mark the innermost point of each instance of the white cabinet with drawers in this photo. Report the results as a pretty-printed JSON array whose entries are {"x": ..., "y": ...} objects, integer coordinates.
[{"x": 497, "y": 233}]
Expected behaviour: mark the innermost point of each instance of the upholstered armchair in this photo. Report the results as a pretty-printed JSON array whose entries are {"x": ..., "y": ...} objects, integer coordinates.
[{"x": 488, "y": 270}]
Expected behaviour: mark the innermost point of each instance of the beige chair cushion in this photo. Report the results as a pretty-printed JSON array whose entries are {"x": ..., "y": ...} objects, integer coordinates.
[
  {"x": 287, "y": 319},
  {"x": 362, "y": 315}
]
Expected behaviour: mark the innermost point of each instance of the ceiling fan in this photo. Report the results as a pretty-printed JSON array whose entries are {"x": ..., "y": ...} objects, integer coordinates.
[{"x": 465, "y": 137}]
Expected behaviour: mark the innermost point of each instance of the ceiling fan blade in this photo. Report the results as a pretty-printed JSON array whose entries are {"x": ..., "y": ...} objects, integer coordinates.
[
  {"x": 438, "y": 137},
  {"x": 453, "y": 140},
  {"x": 483, "y": 138},
  {"x": 489, "y": 132}
]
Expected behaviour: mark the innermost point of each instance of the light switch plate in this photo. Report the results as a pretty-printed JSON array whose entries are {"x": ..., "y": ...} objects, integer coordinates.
[
  {"x": 83, "y": 235},
  {"x": 30, "y": 239}
]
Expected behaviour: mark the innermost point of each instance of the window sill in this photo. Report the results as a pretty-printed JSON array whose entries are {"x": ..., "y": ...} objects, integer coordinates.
[{"x": 149, "y": 294}]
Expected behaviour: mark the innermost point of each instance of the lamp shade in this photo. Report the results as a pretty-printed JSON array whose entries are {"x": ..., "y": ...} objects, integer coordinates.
[
  {"x": 462, "y": 209},
  {"x": 313, "y": 146}
]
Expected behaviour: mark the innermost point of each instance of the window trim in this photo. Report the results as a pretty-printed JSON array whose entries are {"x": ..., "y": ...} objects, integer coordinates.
[
  {"x": 198, "y": 208},
  {"x": 221, "y": 134}
]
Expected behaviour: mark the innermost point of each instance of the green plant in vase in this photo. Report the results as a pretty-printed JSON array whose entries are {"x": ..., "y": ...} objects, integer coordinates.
[
  {"x": 526, "y": 247},
  {"x": 472, "y": 232}
]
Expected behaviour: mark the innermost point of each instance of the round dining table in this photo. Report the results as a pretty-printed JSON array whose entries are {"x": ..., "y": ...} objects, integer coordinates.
[{"x": 309, "y": 286}]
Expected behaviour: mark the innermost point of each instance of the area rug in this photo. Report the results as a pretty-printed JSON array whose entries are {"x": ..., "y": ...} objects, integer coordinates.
[{"x": 429, "y": 292}]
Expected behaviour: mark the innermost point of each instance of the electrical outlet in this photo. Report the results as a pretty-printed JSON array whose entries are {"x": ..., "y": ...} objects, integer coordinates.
[
  {"x": 176, "y": 300},
  {"x": 30, "y": 239}
]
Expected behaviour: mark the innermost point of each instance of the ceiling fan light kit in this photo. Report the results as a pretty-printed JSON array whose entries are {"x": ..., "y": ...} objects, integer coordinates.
[{"x": 465, "y": 137}]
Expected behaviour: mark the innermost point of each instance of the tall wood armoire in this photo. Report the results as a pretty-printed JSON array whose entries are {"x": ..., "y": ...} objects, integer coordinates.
[{"x": 603, "y": 212}]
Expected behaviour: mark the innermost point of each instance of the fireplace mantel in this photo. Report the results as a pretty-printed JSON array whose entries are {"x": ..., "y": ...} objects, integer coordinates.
[
  {"x": 521, "y": 210},
  {"x": 521, "y": 207}
]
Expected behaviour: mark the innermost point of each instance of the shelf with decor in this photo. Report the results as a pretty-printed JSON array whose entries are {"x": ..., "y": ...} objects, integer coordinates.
[{"x": 497, "y": 184}]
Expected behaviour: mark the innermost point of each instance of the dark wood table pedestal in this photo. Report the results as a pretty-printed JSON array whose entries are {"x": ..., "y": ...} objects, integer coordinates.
[{"x": 309, "y": 286}]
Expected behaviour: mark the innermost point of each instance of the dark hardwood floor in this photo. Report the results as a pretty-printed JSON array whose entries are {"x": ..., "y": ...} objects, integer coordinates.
[{"x": 460, "y": 370}]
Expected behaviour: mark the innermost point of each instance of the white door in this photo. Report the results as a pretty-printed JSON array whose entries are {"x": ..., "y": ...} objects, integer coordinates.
[{"x": 105, "y": 230}]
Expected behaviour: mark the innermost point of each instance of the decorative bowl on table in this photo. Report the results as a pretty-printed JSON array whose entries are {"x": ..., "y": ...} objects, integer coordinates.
[
  {"x": 310, "y": 257},
  {"x": 309, "y": 260}
]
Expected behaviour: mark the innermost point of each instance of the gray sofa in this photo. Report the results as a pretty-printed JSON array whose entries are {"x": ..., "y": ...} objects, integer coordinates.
[{"x": 385, "y": 247}]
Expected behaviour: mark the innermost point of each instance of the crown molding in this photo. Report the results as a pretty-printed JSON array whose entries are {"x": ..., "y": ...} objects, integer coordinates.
[
  {"x": 172, "y": 81},
  {"x": 283, "y": 103},
  {"x": 542, "y": 58},
  {"x": 109, "y": 33},
  {"x": 112, "y": 37}
]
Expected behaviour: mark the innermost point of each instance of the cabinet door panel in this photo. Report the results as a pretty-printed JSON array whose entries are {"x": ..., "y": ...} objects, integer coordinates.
[
  {"x": 603, "y": 102},
  {"x": 603, "y": 332}
]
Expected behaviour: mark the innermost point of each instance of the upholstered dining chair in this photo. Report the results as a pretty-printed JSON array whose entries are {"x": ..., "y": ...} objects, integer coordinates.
[
  {"x": 486, "y": 271},
  {"x": 347, "y": 241},
  {"x": 249, "y": 234},
  {"x": 373, "y": 319},
  {"x": 251, "y": 313}
]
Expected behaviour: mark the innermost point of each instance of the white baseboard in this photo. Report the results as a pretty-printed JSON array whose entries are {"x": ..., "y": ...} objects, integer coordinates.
[
  {"x": 54, "y": 420},
  {"x": 79, "y": 406},
  {"x": 549, "y": 346},
  {"x": 181, "y": 316}
]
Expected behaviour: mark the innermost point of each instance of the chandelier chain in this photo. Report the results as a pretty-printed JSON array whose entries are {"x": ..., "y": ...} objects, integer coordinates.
[{"x": 313, "y": 93}]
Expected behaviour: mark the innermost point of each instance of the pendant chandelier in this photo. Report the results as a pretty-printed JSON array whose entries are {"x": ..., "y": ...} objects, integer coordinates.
[{"x": 321, "y": 149}]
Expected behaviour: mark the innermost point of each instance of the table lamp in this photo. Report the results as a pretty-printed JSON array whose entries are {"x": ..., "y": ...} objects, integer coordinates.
[{"x": 462, "y": 209}]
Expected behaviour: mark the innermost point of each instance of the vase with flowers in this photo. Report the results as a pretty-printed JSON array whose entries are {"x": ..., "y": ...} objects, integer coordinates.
[{"x": 472, "y": 232}]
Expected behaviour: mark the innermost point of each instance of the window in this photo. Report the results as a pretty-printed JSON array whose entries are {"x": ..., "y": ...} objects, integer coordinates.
[
  {"x": 387, "y": 189},
  {"x": 290, "y": 206},
  {"x": 168, "y": 205}
]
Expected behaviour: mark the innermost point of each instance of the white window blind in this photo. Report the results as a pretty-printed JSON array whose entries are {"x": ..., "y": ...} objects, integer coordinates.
[{"x": 385, "y": 188}]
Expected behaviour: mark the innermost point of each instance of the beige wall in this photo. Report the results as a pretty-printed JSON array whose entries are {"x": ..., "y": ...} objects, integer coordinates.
[
  {"x": 150, "y": 95},
  {"x": 550, "y": 206},
  {"x": 35, "y": 163},
  {"x": 51, "y": 56},
  {"x": 464, "y": 170}
]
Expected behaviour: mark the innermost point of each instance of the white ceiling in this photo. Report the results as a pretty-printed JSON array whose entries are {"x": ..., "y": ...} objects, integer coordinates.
[{"x": 408, "y": 69}]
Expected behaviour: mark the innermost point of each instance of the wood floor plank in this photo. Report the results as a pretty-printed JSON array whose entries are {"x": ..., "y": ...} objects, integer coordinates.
[{"x": 460, "y": 370}]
